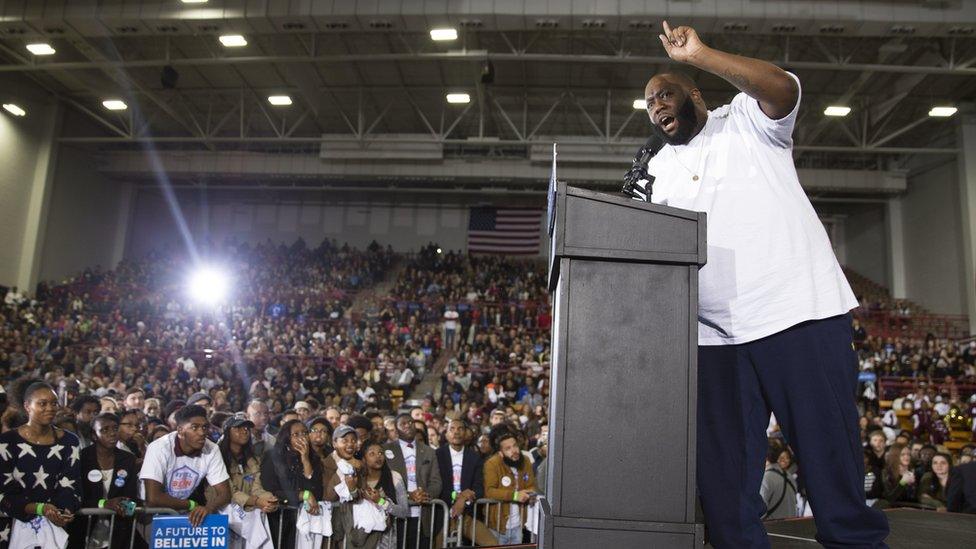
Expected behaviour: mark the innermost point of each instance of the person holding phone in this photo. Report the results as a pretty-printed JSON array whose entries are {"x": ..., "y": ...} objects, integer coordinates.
[{"x": 40, "y": 468}]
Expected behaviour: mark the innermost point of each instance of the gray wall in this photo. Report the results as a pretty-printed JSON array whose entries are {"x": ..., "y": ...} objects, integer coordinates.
[
  {"x": 866, "y": 241},
  {"x": 860, "y": 236},
  {"x": 83, "y": 217},
  {"x": 933, "y": 241},
  {"x": 21, "y": 139}
]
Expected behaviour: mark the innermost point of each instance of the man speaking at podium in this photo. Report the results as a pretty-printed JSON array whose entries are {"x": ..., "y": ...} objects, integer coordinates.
[{"x": 774, "y": 329}]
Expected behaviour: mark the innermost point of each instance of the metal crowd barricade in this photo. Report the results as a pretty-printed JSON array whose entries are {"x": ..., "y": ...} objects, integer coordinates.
[
  {"x": 498, "y": 527},
  {"x": 438, "y": 510},
  {"x": 90, "y": 512}
]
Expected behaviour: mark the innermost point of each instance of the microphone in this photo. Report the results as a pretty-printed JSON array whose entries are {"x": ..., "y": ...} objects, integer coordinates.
[{"x": 637, "y": 182}]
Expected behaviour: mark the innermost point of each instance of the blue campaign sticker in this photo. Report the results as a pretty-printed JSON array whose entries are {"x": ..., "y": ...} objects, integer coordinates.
[
  {"x": 119, "y": 482},
  {"x": 177, "y": 533}
]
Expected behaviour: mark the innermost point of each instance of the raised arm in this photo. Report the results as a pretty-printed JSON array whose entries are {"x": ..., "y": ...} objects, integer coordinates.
[{"x": 768, "y": 84}]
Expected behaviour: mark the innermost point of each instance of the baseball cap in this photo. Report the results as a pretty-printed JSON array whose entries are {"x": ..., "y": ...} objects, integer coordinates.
[
  {"x": 302, "y": 404},
  {"x": 237, "y": 420},
  {"x": 197, "y": 397},
  {"x": 342, "y": 431}
]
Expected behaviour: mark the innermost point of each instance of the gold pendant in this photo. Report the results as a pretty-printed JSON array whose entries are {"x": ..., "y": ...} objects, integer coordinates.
[{"x": 695, "y": 178}]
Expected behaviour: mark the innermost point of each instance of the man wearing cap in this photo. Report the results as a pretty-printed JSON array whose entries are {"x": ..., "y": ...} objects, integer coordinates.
[
  {"x": 342, "y": 470},
  {"x": 303, "y": 409},
  {"x": 417, "y": 464}
]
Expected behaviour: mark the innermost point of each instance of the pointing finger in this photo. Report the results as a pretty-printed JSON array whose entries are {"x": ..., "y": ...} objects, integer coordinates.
[
  {"x": 664, "y": 41},
  {"x": 667, "y": 29}
]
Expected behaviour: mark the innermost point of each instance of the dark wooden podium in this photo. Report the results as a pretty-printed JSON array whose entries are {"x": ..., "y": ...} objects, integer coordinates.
[{"x": 624, "y": 279}]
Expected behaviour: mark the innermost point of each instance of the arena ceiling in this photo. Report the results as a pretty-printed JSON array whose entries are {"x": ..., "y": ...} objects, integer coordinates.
[{"x": 368, "y": 83}]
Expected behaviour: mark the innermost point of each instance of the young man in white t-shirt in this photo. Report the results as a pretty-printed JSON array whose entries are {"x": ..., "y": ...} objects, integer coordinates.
[
  {"x": 177, "y": 463},
  {"x": 774, "y": 328}
]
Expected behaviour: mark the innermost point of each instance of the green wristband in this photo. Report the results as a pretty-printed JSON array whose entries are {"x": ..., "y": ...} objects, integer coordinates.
[
  {"x": 515, "y": 496},
  {"x": 305, "y": 495},
  {"x": 39, "y": 509},
  {"x": 193, "y": 504},
  {"x": 382, "y": 502},
  {"x": 101, "y": 504}
]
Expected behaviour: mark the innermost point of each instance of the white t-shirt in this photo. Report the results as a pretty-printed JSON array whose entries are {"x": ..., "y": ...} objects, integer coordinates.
[
  {"x": 450, "y": 320},
  {"x": 180, "y": 475},
  {"x": 770, "y": 264}
]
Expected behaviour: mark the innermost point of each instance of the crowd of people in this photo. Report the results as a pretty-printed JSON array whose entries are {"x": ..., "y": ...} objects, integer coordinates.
[
  {"x": 353, "y": 475},
  {"x": 281, "y": 400},
  {"x": 130, "y": 359}
]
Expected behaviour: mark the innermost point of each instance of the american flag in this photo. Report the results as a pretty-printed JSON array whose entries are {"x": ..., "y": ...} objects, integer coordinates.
[{"x": 511, "y": 231}]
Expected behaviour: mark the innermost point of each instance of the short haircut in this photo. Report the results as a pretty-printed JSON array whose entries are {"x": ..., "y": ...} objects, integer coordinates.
[
  {"x": 774, "y": 450},
  {"x": 79, "y": 403},
  {"x": 681, "y": 78},
  {"x": 403, "y": 414},
  {"x": 106, "y": 418},
  {"x": 134, "y": 390},
  {"x": 35, "y": 387},
  {"x": 186, "y": 413},
  {"x": 129, "y": 412},
  {"x": 359, "y": 422}
]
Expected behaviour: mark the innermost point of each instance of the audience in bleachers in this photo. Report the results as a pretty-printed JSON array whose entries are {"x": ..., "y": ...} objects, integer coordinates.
[{"x": 307, "y": 364}]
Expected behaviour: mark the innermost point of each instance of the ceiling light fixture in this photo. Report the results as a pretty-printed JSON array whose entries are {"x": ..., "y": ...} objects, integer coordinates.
[
  {"x": 942, "y": 112},
  {"x": 41, "y": 49},
  {"x": 458, "y": 98},
  {"x": 640, "y": 104},
  {"x": 14, "y": 109},
  {"x": 837, "y": 110},
  {"x": 233, "y": 41},
  {"x": 279, "y": 100},
  {"x": 440, "y": 35},
  {"x": 114, "y": 104}
]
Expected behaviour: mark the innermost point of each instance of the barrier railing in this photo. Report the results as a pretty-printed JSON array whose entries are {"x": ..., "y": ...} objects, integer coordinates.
[{"x": 436, "y": 510}]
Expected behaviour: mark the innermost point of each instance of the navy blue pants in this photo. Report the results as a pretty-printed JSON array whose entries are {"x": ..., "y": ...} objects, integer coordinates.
[{"x": 807, "y": 376}]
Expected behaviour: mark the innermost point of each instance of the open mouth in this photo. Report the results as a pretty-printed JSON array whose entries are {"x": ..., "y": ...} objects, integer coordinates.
[{"x": 667, "y": 123}]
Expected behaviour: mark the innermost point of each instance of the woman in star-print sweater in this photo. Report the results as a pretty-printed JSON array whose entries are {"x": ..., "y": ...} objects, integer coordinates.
[{"x": 40, "y": 466}]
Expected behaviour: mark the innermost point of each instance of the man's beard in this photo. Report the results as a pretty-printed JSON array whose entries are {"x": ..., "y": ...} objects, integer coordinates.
[
  {"x": 687, "y": 118},
  {"x": 517, "y": 463}
]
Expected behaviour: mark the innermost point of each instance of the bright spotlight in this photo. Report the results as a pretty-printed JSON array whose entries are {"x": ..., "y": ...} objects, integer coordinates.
[
  {"x": 440, "y": 251},
  {"x": 209, "y": 286}
]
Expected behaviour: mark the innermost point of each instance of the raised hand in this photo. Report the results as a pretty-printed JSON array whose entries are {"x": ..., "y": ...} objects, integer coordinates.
[{"x": 681, "y": 43}]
